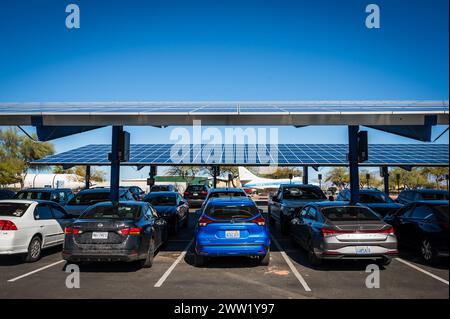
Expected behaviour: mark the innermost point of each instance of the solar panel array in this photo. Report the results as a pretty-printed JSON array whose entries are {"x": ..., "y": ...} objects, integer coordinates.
[
  {"x": 258, "y": 155},
  {"x": 231, "y": 107}
]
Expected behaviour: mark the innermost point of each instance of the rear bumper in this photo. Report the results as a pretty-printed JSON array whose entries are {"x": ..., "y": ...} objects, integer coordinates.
[
  {"x": 98, "y": 255},
  {"x": 195, "y": 202},
  {"x": 232, "y": 250},
  {"x": 350, "y": 252}
]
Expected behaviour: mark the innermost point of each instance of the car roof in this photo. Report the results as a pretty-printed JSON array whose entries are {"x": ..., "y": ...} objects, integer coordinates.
[
  {"x": 123, "y": 203},
  {"x": 426, "y": 190},
  {"x": 162, "y": 193},
  {"x": 226, "y": 189},
  {"x": 100, "y": 190},
  {"x": 27, "y": 201},
  {"x": 432, "y": 202},
  {"x": 231, "y": 200},
  {"x": 334, "y": 204},
  {"x": 299, "y": 185},
  {"x": 40, "y": 189}
]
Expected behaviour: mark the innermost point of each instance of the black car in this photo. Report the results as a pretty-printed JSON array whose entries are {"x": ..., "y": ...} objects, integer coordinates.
[
  {"x": 195, "y": 195},
  {"x": 7, "y": 194},
  {"x": 415, "y": 195},
  {"x": 170, "y": 206},
  {"x": 57, "y": 195},
  {"x": 162, "y": 188},
  {"x": 289, "y": 200},
  {"x": 120, "y": 231},
  {"x": 373, "y": 198},
  {"x": 423, "y": 226}
]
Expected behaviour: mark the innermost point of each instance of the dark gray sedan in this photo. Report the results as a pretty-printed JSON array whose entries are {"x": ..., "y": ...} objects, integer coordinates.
[{"x": 337, "y": 230}]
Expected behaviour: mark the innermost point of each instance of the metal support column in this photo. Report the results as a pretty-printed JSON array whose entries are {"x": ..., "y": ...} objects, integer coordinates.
[
  {"x": 353, "y": 163},
  {"x": 305, "y": 175},
  {"x": 115, "y": 163},
  {"x": 215, "y": 172},
  {"x": 385, "y": 171},
  {"x": 87, "y": 178}
]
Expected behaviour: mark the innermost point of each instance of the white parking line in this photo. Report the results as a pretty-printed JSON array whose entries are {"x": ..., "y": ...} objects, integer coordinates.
[
  {"x": 422, "y": 271},
  {"x": 291, "y": 265},
  {"x": 35, "y": 271},
  {"x": 172, "y": 267}
]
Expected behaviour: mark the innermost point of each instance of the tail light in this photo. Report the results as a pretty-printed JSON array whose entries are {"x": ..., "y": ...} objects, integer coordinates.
[
  {"x": 186, "y": 193},
  {"x": 259, "y": 220},
  {"x": 130, "y": 231},
  {"x": 204, "y": 192},
  {"x": 7, "y": 225},
  {"x": 204, "y": 221},
  {"x": 327, "y": 232},
  {"x": 71, "y": 230}
]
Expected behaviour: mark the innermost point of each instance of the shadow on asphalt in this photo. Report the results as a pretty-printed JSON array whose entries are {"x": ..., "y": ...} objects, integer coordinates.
[
  {"x": 414, "y": 257},
  {"x": 14, "y": 260}
]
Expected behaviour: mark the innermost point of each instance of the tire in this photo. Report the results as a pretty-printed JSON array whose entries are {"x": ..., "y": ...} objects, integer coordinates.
[
  {"x": 384, "y": 261},
  {"x": 148, "y": 262},
  {"x": 312, "y": 258},
  {"x": 265, "y": 260},
  {"x": 199, "y": 260},
  {"x": 34, "y": 250},
  {"x": 428, "y": 252}
]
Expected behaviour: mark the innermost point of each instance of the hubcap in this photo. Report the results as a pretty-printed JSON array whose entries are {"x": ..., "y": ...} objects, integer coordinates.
[
  {"x": 427, "y": 253},
  {"x": 35, "y": 249}
]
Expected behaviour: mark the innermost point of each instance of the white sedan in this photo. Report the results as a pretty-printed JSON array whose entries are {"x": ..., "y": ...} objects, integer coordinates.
[{"x": 28, "y": 226}]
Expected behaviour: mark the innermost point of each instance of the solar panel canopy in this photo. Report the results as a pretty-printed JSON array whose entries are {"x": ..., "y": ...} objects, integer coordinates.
[
  {"x": 226, "y": 113},
  {"x": 255, "y": 155}
]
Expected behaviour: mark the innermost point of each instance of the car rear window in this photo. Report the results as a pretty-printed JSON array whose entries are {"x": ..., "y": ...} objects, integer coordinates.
[
  {"x": 33, "y": 195},
  {"x": 89, "y": 198},
  {"x": 227, "y": 194},
  {"x": 366, "y": 198},
  {"x": 231, "y": 211},
  {"x": 162, "y": 200},
  {"x": 13, "y": 209},
  {"x": 303, "y": 193},
  {"x": 435, "y": 196},
  {"x": 113, "y": 212},
  {"x": 160, "y": 188},
  {"x": 349, "y": 213},
  {"x": 195, "y": 188}
]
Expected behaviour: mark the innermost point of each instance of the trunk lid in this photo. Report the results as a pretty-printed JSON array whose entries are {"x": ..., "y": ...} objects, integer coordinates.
[{"x": 101, "y": 231}]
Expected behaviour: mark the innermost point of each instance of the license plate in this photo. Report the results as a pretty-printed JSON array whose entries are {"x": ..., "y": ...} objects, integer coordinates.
[
  {"x": 99, "y": 235},
  {"x": 362, "y": 250},
  {"x": 232, "y": 234},
  {"x": 195, "y": 194}
]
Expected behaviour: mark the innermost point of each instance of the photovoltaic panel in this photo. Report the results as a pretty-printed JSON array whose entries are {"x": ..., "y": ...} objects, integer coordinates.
[{"x": 258, "y": 155}]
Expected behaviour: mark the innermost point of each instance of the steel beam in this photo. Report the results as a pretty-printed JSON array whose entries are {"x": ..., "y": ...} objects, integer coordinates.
[
  {"x": 87, "y": 179},
  {"x": 353, "y": 163},
  {"x": 115, "y": 163},
  {"x": 305, "y": 175}
]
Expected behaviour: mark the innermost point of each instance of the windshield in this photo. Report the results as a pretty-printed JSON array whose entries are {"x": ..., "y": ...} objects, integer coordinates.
[
  {"x": 349, "y": 213},
  {"x": 434, "y": 196},
  {"x": 160, "y": 188},
  {"x": 113, "y": 212},
  {"x": 89, "y": 198},
  {"x": 366, "y": 198},
  {"x": 33, "y": 195},
  {"x": 162, "y": 200},
  {"x": 227, "y": 194},
  {"x": 13, "y": 209},
  {"x": 441, "y": 212},
  {"x": 231, "y": 211},
  {"x": 195, "y": 188},
  {"x": 299, "y": 193}
]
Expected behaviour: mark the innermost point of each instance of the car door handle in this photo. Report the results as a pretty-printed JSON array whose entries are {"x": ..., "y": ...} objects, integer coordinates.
[{"x": 42, "y": 226}]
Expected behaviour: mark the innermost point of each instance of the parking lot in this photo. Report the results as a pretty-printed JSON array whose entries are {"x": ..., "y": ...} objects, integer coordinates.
[{"x": 289, "y": 276}]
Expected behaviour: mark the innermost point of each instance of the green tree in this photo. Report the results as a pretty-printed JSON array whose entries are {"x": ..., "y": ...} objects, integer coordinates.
[
  {"x": 224, "y": 172},
  {"x": 188, "y": 173},
  {"x": 374, "y": 181},
  {"x": 436, "y": 173},
  {"x": 413, "y": 179},
  {"x": 16, "y": 152},
  {"x": 338, "y": 176}
]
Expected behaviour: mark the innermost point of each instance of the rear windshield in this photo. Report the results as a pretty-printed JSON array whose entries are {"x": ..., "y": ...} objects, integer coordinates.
[
  {"x": 231, "y": 211},
  {"x": 33, "y": 195},
  {"x": 13, "y": 209},
  {"x": 227, "y": 194},
  {"x": 441, "y": 212},
  {"x": 113, "y": 212},
  {"x": 195, "y": 188},
  {"x": 366, "y": 198},
  {"x": 89, "y": 198},
  {"x": 160, "y": 188},
  {"x": 162, "y": 200},
  {"x": 351, "y": 213},
  {"x": 435, "y": 196},
  {"x": 303, "y": 193}
]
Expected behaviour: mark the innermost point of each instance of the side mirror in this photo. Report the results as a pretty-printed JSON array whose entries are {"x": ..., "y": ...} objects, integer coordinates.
[
  {"x": 331, "y": 198},
  {"x": 198, "y": 212},
  {"x": 260, "y": 211}
]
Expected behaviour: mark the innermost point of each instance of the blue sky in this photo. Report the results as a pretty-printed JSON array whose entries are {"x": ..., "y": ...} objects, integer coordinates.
[{"x": 223, "y": 50}]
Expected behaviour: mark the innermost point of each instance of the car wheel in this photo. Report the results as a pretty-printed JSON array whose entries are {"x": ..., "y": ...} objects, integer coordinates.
[
  {"x": 265, "y": 260},
  {"x": 148, "y": 262},
  {"x": 199, "y": 260},
  {"x": 312, "y": 257},
  {"x": 428, "y": 252},
  {"x": 34, "y": 250}
]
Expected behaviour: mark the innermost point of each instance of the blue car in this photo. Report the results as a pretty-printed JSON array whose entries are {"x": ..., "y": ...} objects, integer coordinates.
[{"x": 231, "y": 226}]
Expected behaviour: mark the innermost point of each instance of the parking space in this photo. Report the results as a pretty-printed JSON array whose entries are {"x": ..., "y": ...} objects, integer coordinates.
[{"x": 289, "y": 276}]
